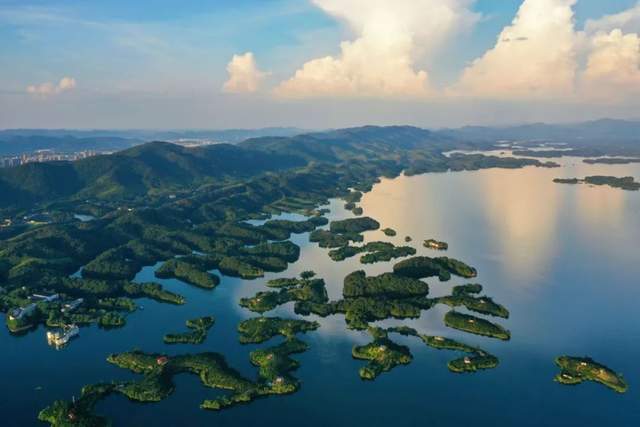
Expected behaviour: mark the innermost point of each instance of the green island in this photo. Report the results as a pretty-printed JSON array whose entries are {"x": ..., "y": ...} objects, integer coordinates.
[
  {"x": 462, "y": 296},
  {"x": 382, "y": 354},
  {"x": 354, "y": 225},
  {"x": 387, "y": 285},
  {"x": 261, "y": 329},
  {"x": 298, "y": 290},
  {"x": 475, "y": 325},
  {"x": 576, "y": 370},
  {"x": 374, "y": 252},
  {"x": 435, "y": 244},
  {"x": 389, "y": 232},
  {"x": 198, "y": 334},
  {"x": 626, "y": 183},
  {"x": 612, "y": 161},
  {"x": 474, "y": 363},
  {"x": 274, "y": 378},
  {"x": 188, "y": 273},
  {"x": 442, "y": 267}
]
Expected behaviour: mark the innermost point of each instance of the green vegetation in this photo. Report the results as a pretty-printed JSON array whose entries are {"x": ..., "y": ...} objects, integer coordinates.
[
  {"x": 442, "y": 267},
  {"x": 389, "y": 232},
  {"x": 299, "y": 290},
  {"x": 198, "y": 334},
  {"x": 575, "y": 370},
  {"x": 387, "y": 285},
  {"x": 475, "y": 325},
  {"x": 473, "y": 363},
  {"x": 354, "y": 225},
  {"x": 462, "y": 296},
  {"x": 408, "y": 239},
  {"x": 611, "y": 161},
  {"x": 383, "y": 355},
  {"x": 368, "y": 299},
  {"x": 261, "y": 329},
  {"x": 626, "y": 183},
  {"x": 188, "y": 273},
  {"x": 328, "y": 239},
  {"x": 79, "y": 412},
  {"x": 376, "y": 252},
  {"x": 435, "y": 244}
]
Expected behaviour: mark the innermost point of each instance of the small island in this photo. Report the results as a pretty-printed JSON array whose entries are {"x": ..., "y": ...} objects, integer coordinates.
[
  {"x": 383, "y": 355},
  {"x": 463, "y": 296},
  {"x": 443, "y": 267},
  {"x": 476, "y": 362},
  {"x": 625, "y": 183},
  {"x": 575, "y": 370},
  {"x": 389, "y": 232},
  {"x": 198, "y": 334},
  {"x": 188, "y": 273},
  {"x": 611, "y": 161},
  {"x": 261, "y": 329},
  {"x": 436, "y": 245},
  {"x": 475, "y": 325}
]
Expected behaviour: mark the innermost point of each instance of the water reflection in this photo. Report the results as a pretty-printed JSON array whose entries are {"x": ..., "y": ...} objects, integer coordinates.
[{"x": 523, "y": 211}]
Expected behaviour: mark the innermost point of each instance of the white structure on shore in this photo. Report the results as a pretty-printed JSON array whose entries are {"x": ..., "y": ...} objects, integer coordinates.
[{"x": 62, "y": 337}]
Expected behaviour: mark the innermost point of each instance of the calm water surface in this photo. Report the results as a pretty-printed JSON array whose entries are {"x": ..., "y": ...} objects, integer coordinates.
[{"x": 563, "y": 259}]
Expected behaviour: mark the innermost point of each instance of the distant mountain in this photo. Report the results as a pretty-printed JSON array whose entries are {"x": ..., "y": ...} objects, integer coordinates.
[
  {"x": 141, "y": 170},
  {"x": 19, "y": 141},
  {"x": 599, "y": 131}
]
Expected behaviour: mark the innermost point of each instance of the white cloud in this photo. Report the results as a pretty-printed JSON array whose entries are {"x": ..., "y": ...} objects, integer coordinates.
[
  {"x": 48, "y": 88},
  {"x": 380, "y": 61},
  {"x": 534, "y": 57},
  {"x": 244, "y": 75},
  {"x": 627, "y": 21},
  {"x": 613, "y": 66}
]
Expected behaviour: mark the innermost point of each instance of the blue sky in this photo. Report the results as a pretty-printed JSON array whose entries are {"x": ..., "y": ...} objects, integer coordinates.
[{"x": 164, "y": 64}]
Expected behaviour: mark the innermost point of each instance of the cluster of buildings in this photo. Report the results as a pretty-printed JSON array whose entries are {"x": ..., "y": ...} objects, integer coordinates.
[
  {"x": 46, "y": 156},
  {"x": 58, "y": 337}
]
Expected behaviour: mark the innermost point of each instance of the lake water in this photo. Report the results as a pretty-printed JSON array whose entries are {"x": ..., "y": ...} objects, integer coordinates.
[{"x": 563, "y": 259}]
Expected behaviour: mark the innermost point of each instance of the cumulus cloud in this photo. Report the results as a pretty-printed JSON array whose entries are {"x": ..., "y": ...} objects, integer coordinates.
[
  {"x": 380, "y": 61},
  {"x": 534, "y": 57},
  {"x": 613, "y": 66},
  {"x": 244, "y": 75},
  {"x": 47, "y": 89},
  {"x": 627, "y": 21}
]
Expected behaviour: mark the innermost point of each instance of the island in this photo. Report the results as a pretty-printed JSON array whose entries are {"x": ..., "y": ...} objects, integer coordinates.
[
  {"x": 298, "y": 290},
  {"x": 462, "y": 296},
  {"x": 435, "y": 244},
  {"x": 188, "y": 273},
  {"x": 261, "y": 329},
  {"x": 625, "y": 183},
  {"x": 382, "y": 354},
  {"x": 575, "y": 370},
  {"x": 475, "y": 325},
  {"x": 375, "y": 252},
  {"x": 389, "y": 232},
  {"x": 199, "y": 329},
  {"x": 443, "y": 267},
  {"x": 611, "y": 161}
]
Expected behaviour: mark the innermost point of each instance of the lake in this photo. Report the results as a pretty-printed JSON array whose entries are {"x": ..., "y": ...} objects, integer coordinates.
[{"x": 563, "y": 259}]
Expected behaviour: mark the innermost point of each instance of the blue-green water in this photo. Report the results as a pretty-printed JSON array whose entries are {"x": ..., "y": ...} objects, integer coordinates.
[{"x": 563, "y": 259}]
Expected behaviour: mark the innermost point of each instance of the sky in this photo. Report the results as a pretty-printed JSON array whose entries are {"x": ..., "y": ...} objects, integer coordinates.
[{"x": 316, "y": 64}]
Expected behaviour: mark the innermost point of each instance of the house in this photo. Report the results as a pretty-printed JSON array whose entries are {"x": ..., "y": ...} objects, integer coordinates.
[
  {"x": 46, "y": 297},
  {"x": 69, "y": 307},
  {"x": 22, "y": 312}
]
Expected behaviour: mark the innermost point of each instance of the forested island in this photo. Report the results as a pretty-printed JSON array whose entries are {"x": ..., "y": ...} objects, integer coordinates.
[
  {"x": 575, "y": 370},
  {"x": 626, "y": 183}
]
